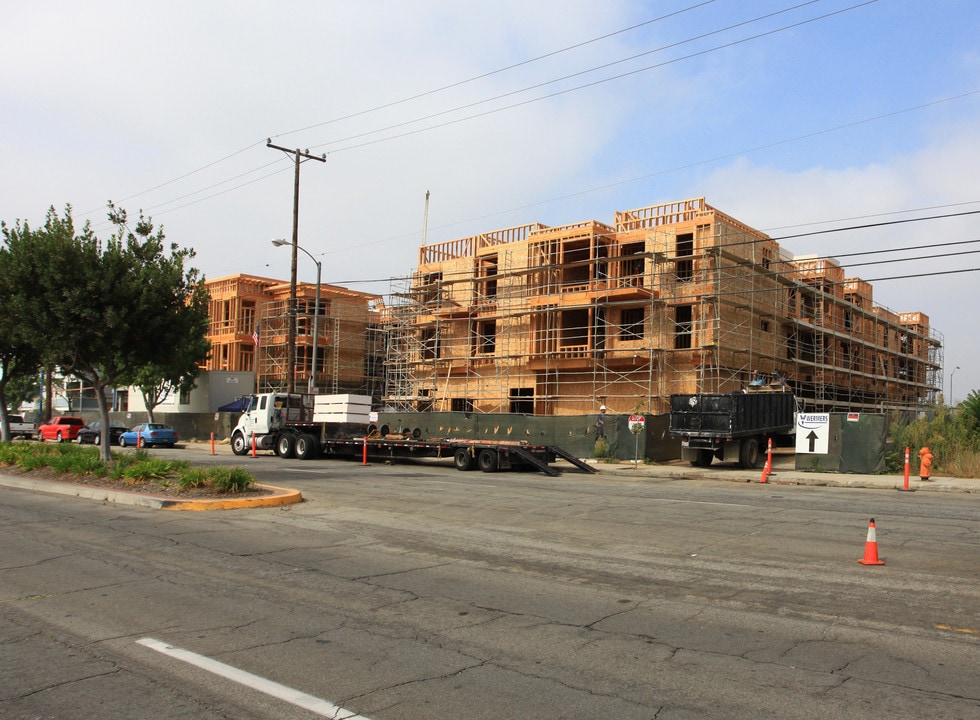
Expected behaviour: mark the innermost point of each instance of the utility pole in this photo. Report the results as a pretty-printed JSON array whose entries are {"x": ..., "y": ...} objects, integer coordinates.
[{"x": 291, "y": 339}]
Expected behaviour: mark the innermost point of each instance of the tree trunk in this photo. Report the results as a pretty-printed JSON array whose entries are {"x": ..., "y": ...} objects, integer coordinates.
[{"x": 105, "y": 446}]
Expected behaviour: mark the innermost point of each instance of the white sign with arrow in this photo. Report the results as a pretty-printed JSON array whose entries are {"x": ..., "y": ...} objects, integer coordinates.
[{"x": 812, "y": 433}]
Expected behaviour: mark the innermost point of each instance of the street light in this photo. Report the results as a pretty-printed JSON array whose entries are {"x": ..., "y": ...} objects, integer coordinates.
[
  {"x": 279, "y": 242},
  {"x": 952, "y": 402}
]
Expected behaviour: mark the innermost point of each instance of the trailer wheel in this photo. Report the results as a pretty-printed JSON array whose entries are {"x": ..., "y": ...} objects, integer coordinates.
[
  {"x": 487, "y": 460},
  {"x": 463, "y": 459},
  {"x": 238, "y": 444},
  {"x": 748, "y": 453},
  {"x": 704, "y": 458},
  {"x": 307, "y": 447},
  {"x": 286, "y": 445}
]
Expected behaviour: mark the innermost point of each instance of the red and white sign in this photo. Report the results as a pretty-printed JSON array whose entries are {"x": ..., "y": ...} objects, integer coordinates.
[{"x": 637, "y": 422}]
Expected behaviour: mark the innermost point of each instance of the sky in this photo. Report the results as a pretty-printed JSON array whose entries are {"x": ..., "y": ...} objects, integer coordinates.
[{"x": 791, "y": 116}]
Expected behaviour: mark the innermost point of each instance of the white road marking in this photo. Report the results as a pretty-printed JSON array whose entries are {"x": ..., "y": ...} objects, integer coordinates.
[
  {"x": 701, "y": 502},
  {"x": 282, "y": 692},
  {"x": 450, "y": 482}
]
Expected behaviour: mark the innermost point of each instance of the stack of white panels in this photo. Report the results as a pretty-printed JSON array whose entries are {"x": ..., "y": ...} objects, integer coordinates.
[{"x": 342, "y": 408}]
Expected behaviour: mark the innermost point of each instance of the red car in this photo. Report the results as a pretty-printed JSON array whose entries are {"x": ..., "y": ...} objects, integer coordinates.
[{"x": 62, "y": 428}]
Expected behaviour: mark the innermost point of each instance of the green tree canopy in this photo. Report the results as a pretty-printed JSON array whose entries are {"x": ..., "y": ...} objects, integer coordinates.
[{"x": 107, "y": 311}]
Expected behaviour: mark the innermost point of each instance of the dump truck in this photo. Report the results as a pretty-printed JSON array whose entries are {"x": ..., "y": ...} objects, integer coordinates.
[
  {"x": 308, "y": 427},
  {"x": 733, "y": 426}
]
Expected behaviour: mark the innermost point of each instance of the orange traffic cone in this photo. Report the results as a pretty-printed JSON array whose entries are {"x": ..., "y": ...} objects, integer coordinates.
[{"x": 871, "y": 547}]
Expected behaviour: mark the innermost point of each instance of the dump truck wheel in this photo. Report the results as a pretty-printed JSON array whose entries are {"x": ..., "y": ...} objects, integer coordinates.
[{"x": 748, "y": 454}]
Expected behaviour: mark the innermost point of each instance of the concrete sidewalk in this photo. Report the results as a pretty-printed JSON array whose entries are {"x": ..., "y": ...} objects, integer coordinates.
[{"x": 785, "y": 473}]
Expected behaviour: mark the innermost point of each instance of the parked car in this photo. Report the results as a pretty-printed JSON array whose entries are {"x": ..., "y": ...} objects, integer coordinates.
[
  {"x": 92, "y": 433},
  {"x": 61, "y": 428},
  {"x": 149, "y": 434},
  {"x": 19, "y": 428}
]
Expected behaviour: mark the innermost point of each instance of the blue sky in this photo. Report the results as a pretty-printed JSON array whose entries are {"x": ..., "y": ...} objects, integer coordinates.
[{"x": 869, "y": 112}]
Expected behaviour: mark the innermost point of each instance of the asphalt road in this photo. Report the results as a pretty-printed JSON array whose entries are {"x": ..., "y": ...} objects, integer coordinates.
[{"x": 412, "y": 591}]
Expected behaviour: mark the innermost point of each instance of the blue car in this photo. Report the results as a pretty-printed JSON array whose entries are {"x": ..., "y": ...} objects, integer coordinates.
[{"x": 149, "y": 435}]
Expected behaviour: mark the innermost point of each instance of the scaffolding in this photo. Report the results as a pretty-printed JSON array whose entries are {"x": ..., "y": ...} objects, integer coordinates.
[{"x": 672, "y": 298}]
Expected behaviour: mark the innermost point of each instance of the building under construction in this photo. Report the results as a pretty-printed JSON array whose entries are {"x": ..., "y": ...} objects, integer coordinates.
[
  {"x": 249, "y": 332},
  {"x": 672, "y": 298}
]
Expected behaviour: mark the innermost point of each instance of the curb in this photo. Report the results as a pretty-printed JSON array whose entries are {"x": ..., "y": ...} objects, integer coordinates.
[{"x": 279, "y": 497}]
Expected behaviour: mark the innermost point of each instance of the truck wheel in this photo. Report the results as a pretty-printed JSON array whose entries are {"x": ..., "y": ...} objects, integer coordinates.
[
  {"x": 487, "y": 460},
  {"x": 307, "y": 447},
  {"x": 286, "y": 445},
  {"x": 703, "y": 459},
  {"x": 60, "y": 438},
  {"x": 463, "y": 459},
  {"x": 748, "y": 453},
  {"x": 238, "y": 444}
]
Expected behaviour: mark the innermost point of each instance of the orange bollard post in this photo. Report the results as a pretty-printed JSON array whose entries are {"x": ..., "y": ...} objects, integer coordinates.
[
  {"x": 139, "y": 440},
  {"x": 253, "y": 445},
  {"x": 212, "y": 443},
  {"x": 905, "y": 485},
  {"x": 364, "y": 460}
]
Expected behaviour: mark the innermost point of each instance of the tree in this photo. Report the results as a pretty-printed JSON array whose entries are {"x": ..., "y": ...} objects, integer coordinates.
[
  {"x": 156, "y": 383},
  {"x": 105, "y": 312},
  {"x": 19, "y": 361},
  {"x": 971, "y": 407}
]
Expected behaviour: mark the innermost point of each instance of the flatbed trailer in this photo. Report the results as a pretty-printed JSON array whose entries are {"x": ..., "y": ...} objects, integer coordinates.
[
  {"x": 466, "y": 454},
  {"x": 284, "y": 423},
  {"x": 305, "y": 441}
]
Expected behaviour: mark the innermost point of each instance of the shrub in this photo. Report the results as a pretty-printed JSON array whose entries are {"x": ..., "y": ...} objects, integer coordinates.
[
  {"x": 953, "y": 439},
  {"x": 82, "y": 461},
  {"x": 194, "y": 477},
  {"x": 224, "y": 479}
]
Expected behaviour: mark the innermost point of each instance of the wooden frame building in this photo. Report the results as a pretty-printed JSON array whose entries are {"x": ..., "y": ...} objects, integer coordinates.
[
  {"x": 672, "y": 298},
  {"x": 249, "y": 330}
]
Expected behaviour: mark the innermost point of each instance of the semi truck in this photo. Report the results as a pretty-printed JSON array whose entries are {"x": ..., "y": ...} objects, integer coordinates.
[
  {"x": 732, "y": 426},
  {"x": 308, "y": 427}
]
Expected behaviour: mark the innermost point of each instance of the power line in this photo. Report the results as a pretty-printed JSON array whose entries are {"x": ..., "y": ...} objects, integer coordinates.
[
  {"x": 562, "y": 92},
  {"x": 394, "y": 103},
  {"x": 573, "y": 89},
  {"x": 553, "y": 81},
  {"x": 498, "y": 71}
]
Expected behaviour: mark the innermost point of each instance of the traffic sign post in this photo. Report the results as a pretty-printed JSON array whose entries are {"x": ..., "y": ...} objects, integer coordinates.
[{"x": 636, "y": 425}]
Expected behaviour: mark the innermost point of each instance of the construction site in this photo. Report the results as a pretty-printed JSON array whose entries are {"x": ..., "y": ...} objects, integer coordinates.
[
  {"x": 672, "y": 298},
  {"x": 249, "y": 332}
]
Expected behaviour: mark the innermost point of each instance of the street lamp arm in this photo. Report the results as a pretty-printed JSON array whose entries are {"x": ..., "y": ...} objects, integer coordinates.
[{"x": 279, "y": 242}]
